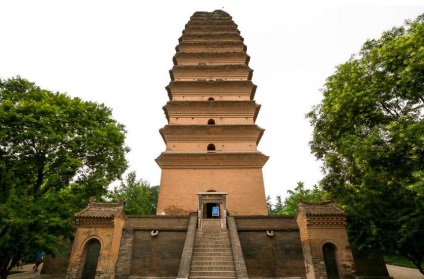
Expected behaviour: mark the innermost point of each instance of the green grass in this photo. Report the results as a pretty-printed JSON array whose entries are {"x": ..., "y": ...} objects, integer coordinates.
[{"x": 398, "y": 260}]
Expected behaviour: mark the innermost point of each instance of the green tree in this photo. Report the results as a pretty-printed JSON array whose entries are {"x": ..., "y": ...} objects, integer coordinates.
[
  {"x": 138, "y": 196},
  {"x": 289, "y": 206},
  {"x": 369, "y": 131},
  {"x": 269, "y": 204},
  {"x": 55, "y": 153}
]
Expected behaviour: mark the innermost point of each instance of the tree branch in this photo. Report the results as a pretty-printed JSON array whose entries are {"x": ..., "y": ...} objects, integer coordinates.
[{"x": 390, "y": 111}]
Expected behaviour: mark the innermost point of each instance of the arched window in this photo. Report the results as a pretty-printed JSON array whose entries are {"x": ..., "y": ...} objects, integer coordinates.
[
  {"x": 92, "y": 252},
  {"x": 211, "y": 99},
  {"x": 211, "y": 122},
  {"x": 211, "y": 147},
  {"x": 330, "y": 260}
]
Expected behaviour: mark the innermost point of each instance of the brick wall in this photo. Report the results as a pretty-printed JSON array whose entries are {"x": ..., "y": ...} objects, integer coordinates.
[
  {"x": 245, "y": 188},
  {"x": 157, "y": 256}
]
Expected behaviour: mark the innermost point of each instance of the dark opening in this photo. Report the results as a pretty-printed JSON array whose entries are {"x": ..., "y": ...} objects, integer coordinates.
[
  {"x": 92, "y": 251},
  {"x": 209, "y": 210},
  {"x": 330, "y": 261},
  {"x": 211, "y": 147},
  {"x": 211, "y": 99},
  {"x": 211, "y": 122}
]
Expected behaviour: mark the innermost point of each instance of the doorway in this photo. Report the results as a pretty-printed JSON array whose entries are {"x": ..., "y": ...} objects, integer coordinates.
[
  {"x": 92, "y": 251},
  {"x": 330, "y": 261},
  {"x": 212, "y": 210}
]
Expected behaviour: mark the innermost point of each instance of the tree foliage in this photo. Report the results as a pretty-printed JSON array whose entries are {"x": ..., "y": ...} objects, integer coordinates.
[
  {"x": 139, "y": 197},
  {"x": 300, "y": 193},
  {"x": 289, "y": 205},
  {"x": 369, "y": 131},
  {"x": 55, "y": 153}
]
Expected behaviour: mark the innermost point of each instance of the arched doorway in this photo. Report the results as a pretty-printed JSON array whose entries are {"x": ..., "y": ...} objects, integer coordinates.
[
  {"x": 92, "y": 251},
  {"x": 330, "y": 261}
]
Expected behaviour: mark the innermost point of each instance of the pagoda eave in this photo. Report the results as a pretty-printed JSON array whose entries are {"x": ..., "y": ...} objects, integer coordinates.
[
  {"x": 202, "y": 133},
  {"x": 211, "y": 160}
]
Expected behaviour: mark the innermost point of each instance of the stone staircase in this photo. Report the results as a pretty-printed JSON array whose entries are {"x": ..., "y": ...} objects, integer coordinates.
[{"x": 212, "y": 254}]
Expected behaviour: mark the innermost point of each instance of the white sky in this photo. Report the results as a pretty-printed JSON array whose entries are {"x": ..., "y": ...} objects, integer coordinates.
[{"x": 119, "y": 53}]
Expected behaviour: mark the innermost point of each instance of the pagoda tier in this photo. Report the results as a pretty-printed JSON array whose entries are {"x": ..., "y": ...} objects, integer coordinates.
[
  {"x": 210, "y": 58},
  {"x": 200, "y": 112},
  {"x": 211, "y": 47},
  {"x": 209, "y": 72},
  {"x": 211, "y": 37},
  {"x": 216, "y": 14},
  {"x": 211, "y": 137},
  {"x": 224, "y": 137},
  {"x": 211, "y": 160},
  {"x": 218, "y": 90},
  {"x": 211, "y": 22},
  {"x": 211, "y": 29}
]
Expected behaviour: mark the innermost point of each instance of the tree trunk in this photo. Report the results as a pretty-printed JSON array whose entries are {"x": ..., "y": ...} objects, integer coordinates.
[{"x": 7, "y": 265}]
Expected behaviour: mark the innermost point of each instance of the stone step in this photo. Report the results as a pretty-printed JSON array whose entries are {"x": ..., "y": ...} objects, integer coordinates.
[
  {"x": 209, "y": 242},
  {"x": 199, "y": 250},
  {"x": 208, "y": 254},
  {"x": 206, "y": 231},
  {"x": 212, "y": 245},
  {"x": 211, "y": 277},
  {"x": 213, "y": 273},
  {"x": 212, "y": 263},
  {"x": 212, "y": 258},
  {"x": 212, "y": 237},
  {"x": 212, "y": 268}
]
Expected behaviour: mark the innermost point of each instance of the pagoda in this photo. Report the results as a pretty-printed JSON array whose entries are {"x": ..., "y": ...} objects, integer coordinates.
[
  {"x": 211, "y": 137},
  {"x": 212, "y": 218}
]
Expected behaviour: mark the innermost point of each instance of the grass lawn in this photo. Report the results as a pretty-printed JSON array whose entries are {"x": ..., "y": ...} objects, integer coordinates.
[{"x": 398, "y": 260}]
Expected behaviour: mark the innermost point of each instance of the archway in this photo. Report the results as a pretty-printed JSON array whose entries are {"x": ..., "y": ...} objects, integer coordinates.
[
  {"x": 330, "y": 261},
  {"x": 211, "y": 122},
  {"x": 92, "y": 252},
  {"x": 211, "y": 147}
]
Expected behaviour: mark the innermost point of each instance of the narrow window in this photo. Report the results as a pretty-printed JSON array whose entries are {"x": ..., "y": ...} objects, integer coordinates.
[{"x": 211, "y": 147}]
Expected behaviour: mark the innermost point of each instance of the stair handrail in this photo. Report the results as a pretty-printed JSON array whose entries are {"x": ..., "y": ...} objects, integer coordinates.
[
  {"x": 184, "y": 269},
  {"x": 239, "y": 264}
]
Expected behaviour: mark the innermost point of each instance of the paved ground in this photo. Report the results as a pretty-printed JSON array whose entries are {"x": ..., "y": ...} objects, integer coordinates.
[
  {"x": 399, "y": 272},
  {"x": 27, "y": 272},
  {"x": 396, "y": 271}
]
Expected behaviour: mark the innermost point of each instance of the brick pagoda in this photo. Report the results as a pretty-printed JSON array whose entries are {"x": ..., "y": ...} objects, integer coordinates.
[
  {"x": 211, "y": 137},
  {"x": 212, "y": 165}
]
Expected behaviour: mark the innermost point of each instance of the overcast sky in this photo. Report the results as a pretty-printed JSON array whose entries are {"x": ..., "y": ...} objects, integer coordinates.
[{"x": 119, "y": 53}]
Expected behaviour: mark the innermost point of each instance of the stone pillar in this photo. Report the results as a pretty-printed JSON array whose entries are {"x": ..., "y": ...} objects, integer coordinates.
[{"x": 324, "y": 224}]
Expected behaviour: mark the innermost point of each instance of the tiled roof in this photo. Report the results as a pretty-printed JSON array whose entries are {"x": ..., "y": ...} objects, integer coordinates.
[
  {"x": 100, "y": 210},
  {"x": 320, "y": 209}
]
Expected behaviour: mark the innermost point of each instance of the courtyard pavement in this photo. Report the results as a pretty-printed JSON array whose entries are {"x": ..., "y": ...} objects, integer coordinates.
[
  {"x": 396, "y": 272},
  {"x": 27, "y": 272}
]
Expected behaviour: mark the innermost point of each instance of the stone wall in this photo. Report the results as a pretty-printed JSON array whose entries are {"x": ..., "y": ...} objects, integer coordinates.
[
  {"x": 276, "y": 254},
  {"x": 151, "y": 246},
  {"x": 55, "y": 267},
  {"x": 369, "y": 263}
]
